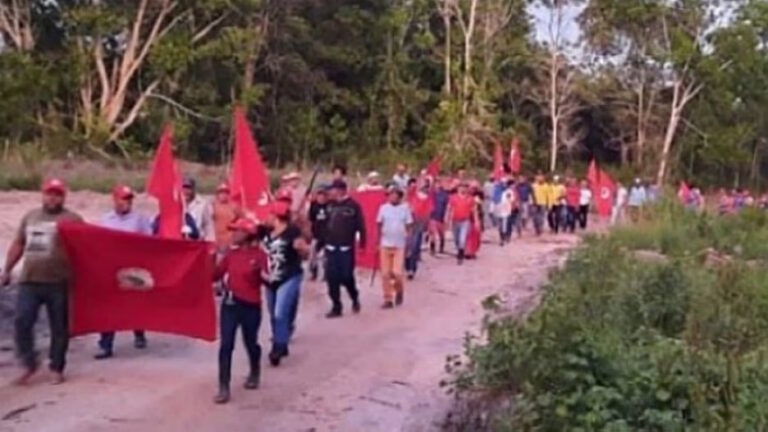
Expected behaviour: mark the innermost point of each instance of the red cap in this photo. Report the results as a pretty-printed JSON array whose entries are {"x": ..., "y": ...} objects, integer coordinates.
[
  {"x": 280, "y": 208},
  {"x": 284, "y": 195},
  {"x": 224, "y": 187},
  {"x": 122, "y": 192},
  {"x": 243, "y": 224},
  {"x": 54, "y": 185}
]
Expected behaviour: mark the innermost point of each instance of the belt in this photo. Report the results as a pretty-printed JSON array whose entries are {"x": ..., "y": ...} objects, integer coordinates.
[{"x": 341, "y": 248}]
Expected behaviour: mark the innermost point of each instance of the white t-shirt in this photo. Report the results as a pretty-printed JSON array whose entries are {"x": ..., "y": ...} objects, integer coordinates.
[
  {"x": 621, "y": 196},
  {"x": 394, "y": 221},
  {"x": 507, "y": 203},
  {"x": 586, "y": 196}
]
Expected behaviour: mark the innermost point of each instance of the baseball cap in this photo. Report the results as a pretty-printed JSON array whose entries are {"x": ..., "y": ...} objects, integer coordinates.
[
  {"x": 188, "y": 183},
  {"x": 243, "y": 224},
  {"x": 284, "y": 195},
  {"x": 339, "y": 184},
  {"x": 223, "y": 187},
  {"x": 122, "y": 192},
  {"x": 54, "y": 185},
  {"x": 293, "y": 175},
  {"x": 373, "y": 174}
]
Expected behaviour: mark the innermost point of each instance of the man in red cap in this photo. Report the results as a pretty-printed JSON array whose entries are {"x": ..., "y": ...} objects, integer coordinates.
[
  {"x": 43, "y": 280},
  {"x": 123, "y": 218}
]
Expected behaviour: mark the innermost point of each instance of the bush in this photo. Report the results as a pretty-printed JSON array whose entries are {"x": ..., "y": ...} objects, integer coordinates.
[{"x": 623, "y": 344}]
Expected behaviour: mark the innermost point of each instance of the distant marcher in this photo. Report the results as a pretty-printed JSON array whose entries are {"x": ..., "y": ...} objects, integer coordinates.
[
  {"x": 421, "y": 207},
  {"x": 556, "y": 202},
  {"x": 43, "y": 281},
  {"x": 244, "y": 268},
  {"x": 223, "y": 215},
  {"x": 318, "y": 217},
  {"x": 636, "y": 200},
  {"x": 394, "y": 221},
  {"x": 401, "y": 177},
  {"x": 585, "y": 200},
  {"x": 525, "y": 200},
  {"x": 199, "y": 209},
  {"x": 123, "y": 218},
  {"x": 491, "y": 199},
  {"x": 573, "y": 202},
  {"x": 339, "y": 173},
  {"x": 286, "y": 248},
  {"x": 440, "y": 198},
  {"x": 460, "y": 214},
  {"x": 345, "y": 224},
  {"x": 372, "y": 183},
  {"x": 506, "y": 211},
  {"x": 619, "y": 204},
  {"x": 540, "y": 207}
]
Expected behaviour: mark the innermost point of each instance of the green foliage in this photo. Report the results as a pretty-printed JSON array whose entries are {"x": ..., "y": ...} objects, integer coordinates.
[{"x": 622, "y": 343}]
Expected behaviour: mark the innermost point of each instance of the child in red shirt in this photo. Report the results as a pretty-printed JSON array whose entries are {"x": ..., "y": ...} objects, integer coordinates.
[{"x": 242, "y": 271}]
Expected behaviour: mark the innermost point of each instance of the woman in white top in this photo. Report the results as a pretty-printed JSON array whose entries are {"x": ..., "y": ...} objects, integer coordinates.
[
  {"x": 585, "y": 200},
  {"x": 505, "y": 211}
]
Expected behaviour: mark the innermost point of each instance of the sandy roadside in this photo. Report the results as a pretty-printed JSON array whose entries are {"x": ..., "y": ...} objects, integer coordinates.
[{"x": 379, "y": 371}]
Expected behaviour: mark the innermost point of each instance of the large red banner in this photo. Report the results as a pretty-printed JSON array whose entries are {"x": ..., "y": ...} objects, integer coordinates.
[
  {"x": 125, "y": 281},
  {"x": 370, "y": 202},
  {"x": 603, "y": 189}
]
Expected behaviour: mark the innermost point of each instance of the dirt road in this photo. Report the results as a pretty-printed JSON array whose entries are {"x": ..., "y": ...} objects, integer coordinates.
[{"x": 377, "y": 371}]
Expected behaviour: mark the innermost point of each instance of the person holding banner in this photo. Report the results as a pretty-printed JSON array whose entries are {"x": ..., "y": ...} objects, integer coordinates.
[
  {"x": 345, "y": 224},
  {"x": 244, "y": 269},
  {"x": 286, "y": 248},
  {"x": 43, "y": 281},
  {"x": 123, "y": 218}
]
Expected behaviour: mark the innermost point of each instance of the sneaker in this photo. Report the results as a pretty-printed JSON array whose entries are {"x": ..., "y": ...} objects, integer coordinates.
[
  {"x": 140, "y": 343},
  {"x": 58, "y": 378},
  {"x": 222, "y": 396},
  {"x": 388, "y": 305},
  {"x": 103, "y": 354},
  {"x": 399, "y": 299},
  {"x": 252, "y": 382},
  {"x": 356, "y": 307},
  {"x": 333, "y": 314},
  {"x": 24, "y": 378}
]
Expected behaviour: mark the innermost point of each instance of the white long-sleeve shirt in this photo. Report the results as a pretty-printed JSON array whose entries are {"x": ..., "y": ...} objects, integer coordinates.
[{"x": 202, "y": 213}]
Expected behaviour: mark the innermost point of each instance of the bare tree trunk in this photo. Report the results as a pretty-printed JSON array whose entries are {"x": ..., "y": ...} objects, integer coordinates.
[
  {"x": 447, "y": 23},
  {"x": 639, "y": 148},
  {"x": 468, "y": 28},
  {"x": 669, "y": 135},
  {"x": 554, "y": 110},
  {"x": 16, "y": 24}
]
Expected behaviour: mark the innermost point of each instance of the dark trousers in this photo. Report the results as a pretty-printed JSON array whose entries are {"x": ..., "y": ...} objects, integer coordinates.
[
  {"x": 583, "y": 216},
  {"x": 30, "y": 297},
  {"x": 553, "y": 218},
  {"x": 107, "y": 339},
  {"x": 247, "y": 316},
  {"x": 572, "y": 218},
  {"x": 537, "y": 215},
  {"x": 340, "y": 271},
  {"x": 413, "y": 253}
]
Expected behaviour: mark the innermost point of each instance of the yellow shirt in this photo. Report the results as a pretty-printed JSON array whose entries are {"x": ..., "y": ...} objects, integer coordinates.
[
  {"x": 556, "y": 192},
  {"x": 540, "y": 193}
]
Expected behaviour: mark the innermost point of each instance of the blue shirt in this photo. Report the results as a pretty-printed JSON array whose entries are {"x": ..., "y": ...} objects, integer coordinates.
[
  {"x": 637, "y": 196},
  {"x": 498, "y": 191},
  {"x": 192, "y": 233},
  {"x": 131, "y": 222},
  {"x": 524, "y": 192}
]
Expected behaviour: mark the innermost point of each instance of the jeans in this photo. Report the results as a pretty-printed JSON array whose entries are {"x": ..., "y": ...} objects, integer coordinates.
[
  {"x": 340, "y": 271},
  {"x": 537, "y": 215},
  {"x": 583, "y": 216},
  {"x": 30, "y": 297},
  {"x": 283, "y": 306},
  {"x": 436, "y": 236},
  {"x": 316, "y": 257},
  {"x": 523, "y": 216},
  {"x": 505, "y": 228},
  {"x": 553, "y": 218},
  {"x": 247, "y": 316},
  {"x": 460, "y": 233},
  {"x": 572, "y": 217},
  {"x": 413, "y": 254},
  {"x": 107, "y": 339}
]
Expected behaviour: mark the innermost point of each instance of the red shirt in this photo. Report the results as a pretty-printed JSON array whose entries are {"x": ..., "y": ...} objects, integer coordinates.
[
  {"x": 421, "y": 205},
  {"x": 461, "y": 207},
  {"x": 242, "y": 268},
  {"x": 573, "y": 195}
]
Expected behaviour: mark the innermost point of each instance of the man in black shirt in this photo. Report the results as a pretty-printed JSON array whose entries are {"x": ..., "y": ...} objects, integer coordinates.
[
  {"x": 318, "y": 217},
  {"x": 345, "y": 223}
]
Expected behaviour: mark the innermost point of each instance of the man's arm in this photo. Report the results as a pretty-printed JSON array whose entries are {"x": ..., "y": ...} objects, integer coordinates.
[
  {"x": 360, "y": 222},
  {"x": 15, "y": 252},
  {"x": 206, "y": 223}
]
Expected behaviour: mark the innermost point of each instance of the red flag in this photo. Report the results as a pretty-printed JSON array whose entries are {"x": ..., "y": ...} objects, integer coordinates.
[
  {"x": 514, "y": 156},
  {"x": 165, "y": 185},
  {"x": 683, "y": 193},
  {"x": 498, "y": 164},
  {"x": 248, "y": 179},
  {"x": 370, "y": 202},
  {"x": 144, "y": 282},
  {"x": 433, "y": 168},
  {"x": 603, "y": 188}
]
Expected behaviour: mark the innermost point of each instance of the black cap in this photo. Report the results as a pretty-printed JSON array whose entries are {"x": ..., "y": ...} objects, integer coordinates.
[
  {"x": 339, "y": 184},
  {"x": 188, "y": 183}
]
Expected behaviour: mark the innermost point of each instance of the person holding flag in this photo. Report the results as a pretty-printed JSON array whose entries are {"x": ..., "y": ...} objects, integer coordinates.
[
  {"x": 199, "y": 209},
  {"x": 243, "y": 269},
  {"x": 420, "y": 202},
  {"x": 123, "y": 218},
  {"x": 43, "y": 281}
]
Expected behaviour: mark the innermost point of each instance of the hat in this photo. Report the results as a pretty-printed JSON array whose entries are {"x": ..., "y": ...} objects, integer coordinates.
[
  {"x": 293, "y": 175},
  {"x": 54, "y": 185},
  {"x": 339, "y": 184},
  {"x": 188, "y": 183},
  {"x": 243, "y": 224},
  {"x": 224, "y": 187},
  {"x": 373, "y": 174},
  {"x": 122, "y": 192},
  {"x": 284, "y": 195},
  {"x": 280, "y": 208}
]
